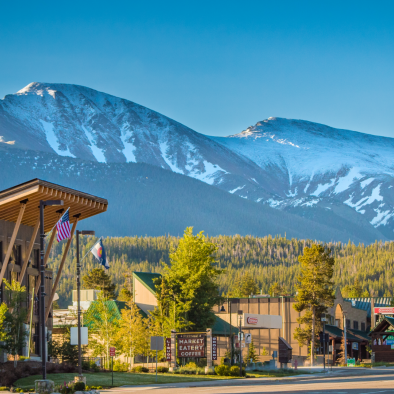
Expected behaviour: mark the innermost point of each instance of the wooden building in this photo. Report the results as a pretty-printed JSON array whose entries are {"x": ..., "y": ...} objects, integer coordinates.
[
  {"x": 382, "y": 340},
  {"x": 19, "y": 239}
]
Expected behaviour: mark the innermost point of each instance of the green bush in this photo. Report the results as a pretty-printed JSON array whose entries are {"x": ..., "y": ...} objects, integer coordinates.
[
  {"x": 223, "y": 370},
  {"x": 121, "y": 367},
  {"x": 191, "y": 365},
  {"x": 79, "y": 386},
  {"x": 162, "y": 369},
  {"x": 139, "y": 369},
  {"x": 234, "y": 371},
  {"x": 4, "y": 388}
]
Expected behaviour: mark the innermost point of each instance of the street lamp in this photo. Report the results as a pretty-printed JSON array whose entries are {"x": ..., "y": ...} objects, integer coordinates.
[
  {"x": 344, "y": 335},
  {"x": 44, "y": 204},
  {"x": 78, "y": 232},
  {"x": 222, "y": 309},
  {"x": 240, "y": 342}
]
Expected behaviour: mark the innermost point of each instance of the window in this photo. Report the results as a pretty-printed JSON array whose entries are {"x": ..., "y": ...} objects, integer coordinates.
[
  {"x": 35, "y": 261},
  {"x": 362, "y": 326},
  {"x": 16, "y": 255},
  {"x": 348, "y": 325},
  {"x": 355, "y": 325},
  {"x": 337, "y": 322}
]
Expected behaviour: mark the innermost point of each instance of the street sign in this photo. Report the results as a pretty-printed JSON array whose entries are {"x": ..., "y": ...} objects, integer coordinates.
[
  {"x": 191, "y": 345},
  {"x": 112, "y": 352},
  {"x": 384, "y": 310},
  {"x": 168, "y": 349},
  {"x": 156, "y": 343},
  {"x": 240, "y": 336},
  {"x": 351, "y": 362},
  {"x": 248, "y": 338},
  {"x": 214, "y": 348},
  {"x": 355, "y": 345}
]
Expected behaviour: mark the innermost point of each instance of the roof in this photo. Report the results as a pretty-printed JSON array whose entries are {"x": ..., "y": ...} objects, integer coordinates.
[
  {"x": 363, "y": 335},
  {"x": 221, "y": 327},
  {"x": 383, "y": 325},
  {"x": 113, "y": 305},
  {"x": 364, "y": 303},
  {"x": 147, "y": 279},
  {"x": 336, "y": 332},
  {"x": 80, "y": 203}
]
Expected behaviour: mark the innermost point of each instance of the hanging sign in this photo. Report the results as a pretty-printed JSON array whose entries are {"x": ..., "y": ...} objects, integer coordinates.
[
  {"x": 191, "y": 345},
  {"x": 214, "y": 348},
  {"x": 168, "y": 349}
]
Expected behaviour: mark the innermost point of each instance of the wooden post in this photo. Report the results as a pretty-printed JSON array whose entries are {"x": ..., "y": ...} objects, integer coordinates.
[
  {"x": 173, "y": 351},
  {"x": 27, "y": 257},
  {"x": 333, "y": 351},
  {"x": 59, "y": 272},
  {"x": 11, "y": 244}
]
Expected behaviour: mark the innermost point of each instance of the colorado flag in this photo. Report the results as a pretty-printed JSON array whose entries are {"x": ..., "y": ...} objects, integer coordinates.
[{"x": 99, "y": 252}]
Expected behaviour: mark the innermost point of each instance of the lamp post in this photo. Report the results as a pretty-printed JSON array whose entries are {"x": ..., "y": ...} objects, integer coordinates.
[
  {"x": 323, "y": 319},
  {"x": 222, "y": 309},
  {"x": 240, "y": 343},
  {"x": 44, "y": 204},
  {"x": 344, "y": 335},
  {"x": 78, "y": 232}
]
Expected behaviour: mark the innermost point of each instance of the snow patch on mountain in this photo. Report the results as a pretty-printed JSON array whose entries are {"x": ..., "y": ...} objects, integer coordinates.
[{"x": 53, "y": 140}]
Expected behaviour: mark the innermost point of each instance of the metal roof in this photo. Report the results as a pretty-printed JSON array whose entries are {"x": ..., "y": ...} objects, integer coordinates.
[
  {"x": 364, "y": 303},
  {"x": 336, "y": 332},
  {"x": 147, "y": 279}
]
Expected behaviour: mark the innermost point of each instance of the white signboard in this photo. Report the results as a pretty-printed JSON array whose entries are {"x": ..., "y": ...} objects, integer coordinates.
[
  {"x": 261, "y": 321},
  {"x": 248, "y": 338},
  {"x": 74, "y": 336}
]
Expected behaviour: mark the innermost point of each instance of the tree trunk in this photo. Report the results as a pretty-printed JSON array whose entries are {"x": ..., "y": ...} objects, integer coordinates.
[{"x": 313, "y": 336}]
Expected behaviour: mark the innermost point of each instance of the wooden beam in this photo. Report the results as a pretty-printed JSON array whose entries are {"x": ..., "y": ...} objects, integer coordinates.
[
  {"x": 59, "y": 272},
  {"x": 27, "y": 257},
  {"x": 11, "y": 244}
]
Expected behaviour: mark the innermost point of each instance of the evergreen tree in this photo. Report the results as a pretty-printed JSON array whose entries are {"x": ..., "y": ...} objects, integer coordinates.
[
  {"x": 252, "y": 354},
  {"x": 315, "y": 289},
  {"x": 14, "y": 319},
  {"x": 276, "y": 290},
  {"x": 190, "y": 282},
  {"x": 341, "y": 353},
  {"x": 97, "y": 279},
  {"x": 245, "y": 287}
]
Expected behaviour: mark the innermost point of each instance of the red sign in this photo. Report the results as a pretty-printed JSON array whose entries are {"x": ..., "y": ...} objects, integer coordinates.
[
  {"x": 112, "y": 352},
  {"x": 168, "y": 349},
  {"x": 252, "y": 320},
  {"x": 214, "y": 348},
  {"x": 389, "y": 310},
  {"x": 191, "y": 345}
]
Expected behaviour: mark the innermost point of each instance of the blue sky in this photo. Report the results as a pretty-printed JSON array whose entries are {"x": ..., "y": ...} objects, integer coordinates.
[{"x": 216, "y": 66}]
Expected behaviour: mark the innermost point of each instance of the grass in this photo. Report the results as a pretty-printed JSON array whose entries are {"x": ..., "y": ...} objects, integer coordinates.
[{"x": 123, "y": 378}]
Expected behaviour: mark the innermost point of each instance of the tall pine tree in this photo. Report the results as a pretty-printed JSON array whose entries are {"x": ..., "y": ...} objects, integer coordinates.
[{"x": 97, "y": 279}]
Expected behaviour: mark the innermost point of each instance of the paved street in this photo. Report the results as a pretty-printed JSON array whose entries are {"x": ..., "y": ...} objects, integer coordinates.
[{"x": 374, "y": 382}]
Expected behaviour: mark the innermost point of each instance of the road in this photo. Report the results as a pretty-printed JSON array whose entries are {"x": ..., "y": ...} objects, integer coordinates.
[{"x": 373, "y": 383}]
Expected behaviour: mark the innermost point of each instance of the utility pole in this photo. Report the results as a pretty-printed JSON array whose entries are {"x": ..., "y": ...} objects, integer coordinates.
[
  {"x": 344, "y": 335},
  {"x": 240, "y": 343}
]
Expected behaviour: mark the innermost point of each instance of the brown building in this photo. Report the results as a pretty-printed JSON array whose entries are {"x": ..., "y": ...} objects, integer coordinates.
[{"x": 19, "y": 241}]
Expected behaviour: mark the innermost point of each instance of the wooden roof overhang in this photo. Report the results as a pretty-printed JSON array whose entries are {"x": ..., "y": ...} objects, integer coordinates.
[{"x": 80, "y": 203}]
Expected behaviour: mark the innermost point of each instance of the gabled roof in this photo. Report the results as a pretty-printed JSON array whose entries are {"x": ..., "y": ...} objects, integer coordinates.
[
  {"x": 221, "y": 327},
  {"x": 383, "y": 325},
  {"x": 363, "y": 335},
  {"x": 336, "y": 332},
  {"x": 364, "y": 303},
  {"x": 147, "y": 279}
]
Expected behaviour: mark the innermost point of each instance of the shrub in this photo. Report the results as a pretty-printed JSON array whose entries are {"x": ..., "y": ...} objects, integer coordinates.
[
  {"x": 234, "y": 371},
  {"x": 3, "y": 388},
  {"x": 139, "y": 369},
  {"x": 144, "y": 369},
  {"x": 223, "y": 370},
  {"x": 120, "y": 367},
  {"x": 191, "y": 365},
  {"x": 79, "y": 386},
  {"x": 162, "y": 369},
  {"x": 8, "y": 378}
]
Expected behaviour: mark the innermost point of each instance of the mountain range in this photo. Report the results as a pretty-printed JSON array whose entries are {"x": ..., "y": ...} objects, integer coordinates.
[{"x": 279, "y": 176}]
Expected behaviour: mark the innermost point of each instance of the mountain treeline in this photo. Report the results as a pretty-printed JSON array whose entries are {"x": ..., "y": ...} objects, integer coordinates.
[{"x": 267, "y": 260}]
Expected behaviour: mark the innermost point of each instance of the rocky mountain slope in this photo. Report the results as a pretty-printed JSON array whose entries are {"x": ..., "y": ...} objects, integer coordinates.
[
  {"x": 339, "y": 178},
  {"x": 321, "y": 169}
]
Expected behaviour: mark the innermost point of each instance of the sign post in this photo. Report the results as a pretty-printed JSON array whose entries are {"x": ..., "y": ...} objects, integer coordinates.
[
  {"x": 156, "y": 343},
  {"x": 112, "y": 352}
]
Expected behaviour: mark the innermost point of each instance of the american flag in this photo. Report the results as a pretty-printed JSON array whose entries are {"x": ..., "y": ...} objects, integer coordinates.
[{"x": 63, "y": 227}]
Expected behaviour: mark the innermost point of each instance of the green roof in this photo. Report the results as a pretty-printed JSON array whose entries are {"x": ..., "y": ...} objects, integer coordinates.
[
  {"x": 336, "y": 332},
  {"x": 364, "y": 303},
  {"x": 363, "y": 335},
  {"x": 147, "y": 279},
  {"x": 221, "y": 327}
]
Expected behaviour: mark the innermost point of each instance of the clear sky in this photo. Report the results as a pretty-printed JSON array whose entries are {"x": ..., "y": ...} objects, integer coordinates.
[{"x": 215, "y": 66}]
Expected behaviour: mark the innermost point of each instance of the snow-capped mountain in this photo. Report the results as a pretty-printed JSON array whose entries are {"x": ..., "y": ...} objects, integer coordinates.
[
  {"x": 82, "y": 123},
  {"x": 318, "y": 166}
]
